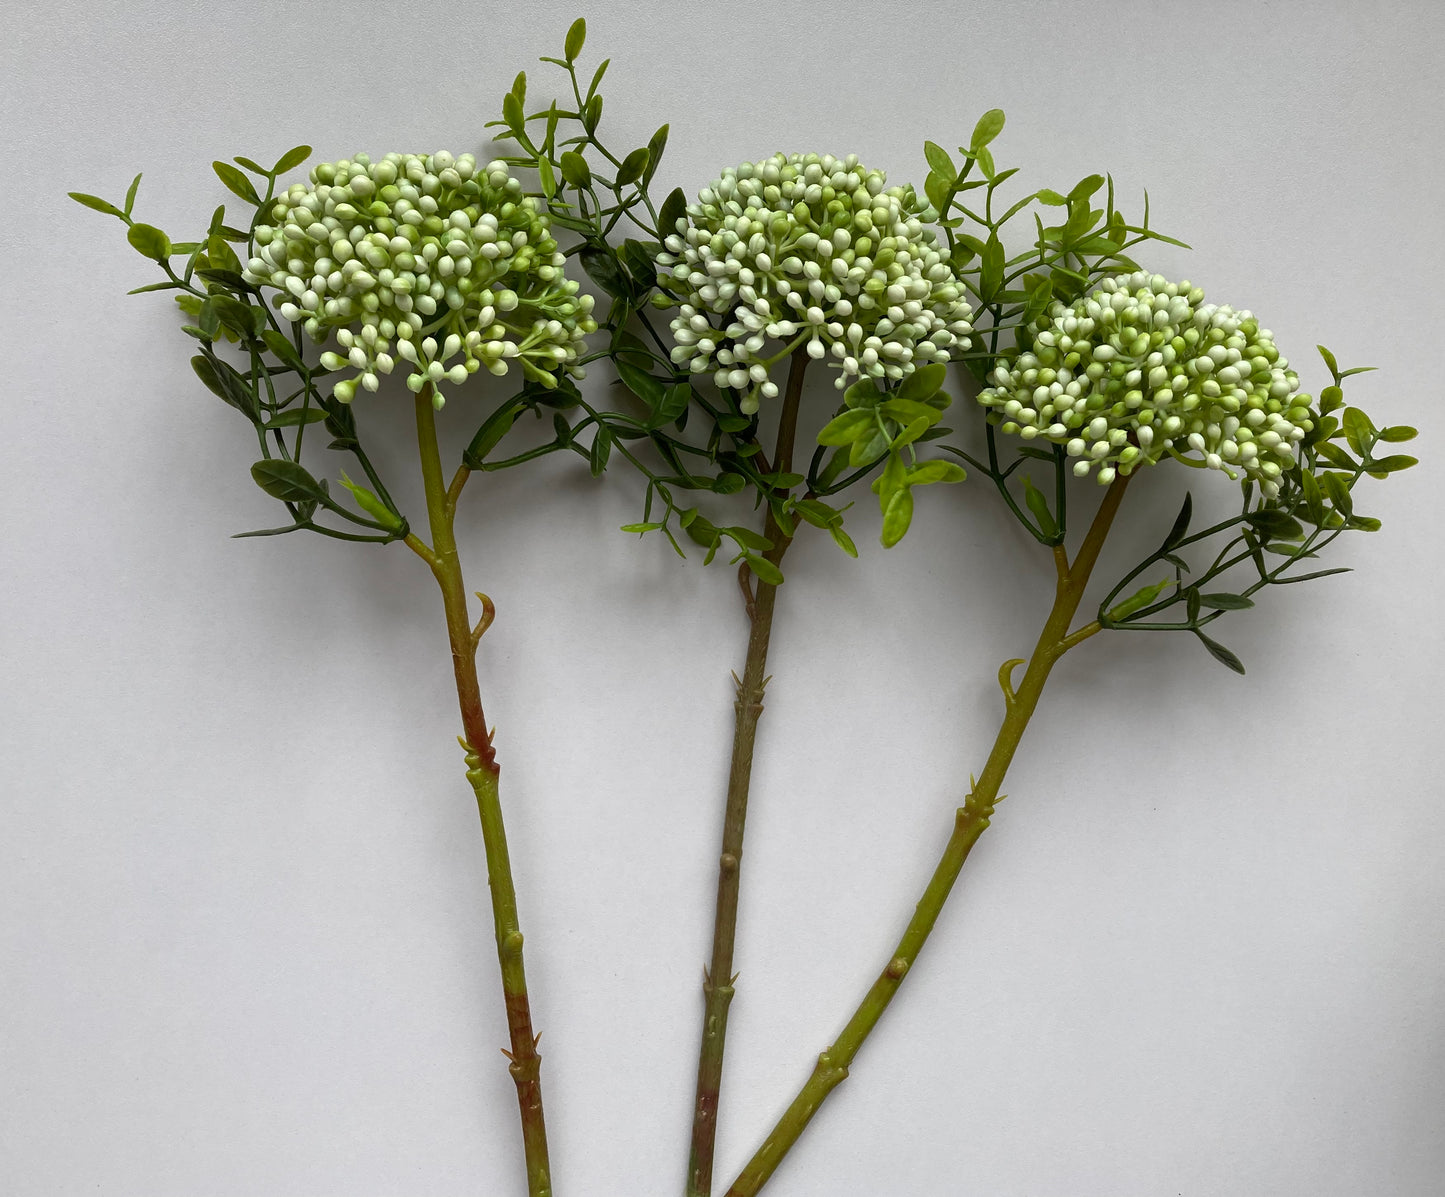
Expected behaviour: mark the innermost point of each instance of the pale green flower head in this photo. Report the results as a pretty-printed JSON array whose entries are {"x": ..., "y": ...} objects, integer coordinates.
[
  {"x": 813, "y": 251},
  {"x": 424, "y": 258},
  {"x": 1142, "y": 368}
]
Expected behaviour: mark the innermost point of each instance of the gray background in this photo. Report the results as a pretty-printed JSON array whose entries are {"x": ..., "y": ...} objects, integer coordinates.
[{"x": 244, "y": 941}]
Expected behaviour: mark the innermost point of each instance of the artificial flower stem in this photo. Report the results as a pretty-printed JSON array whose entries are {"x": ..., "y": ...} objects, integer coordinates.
[
  {"x": 970, "y": 822},
  {"x": 483, "y": 773},
  {"x": 717, "y": 987}
]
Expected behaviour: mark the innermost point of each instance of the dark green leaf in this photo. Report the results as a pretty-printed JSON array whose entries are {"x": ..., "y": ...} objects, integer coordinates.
[
  {"x": 674, "y": 208},
  {"x": 674, "y": 402},
  {"x": 650, "y": 390},
  {"x": 493, "y": 429},
  {"x": 282, "y": 348},
  {"x": 1336, "y": 456},
  {"x": 602, "y": 268},
  {"x": 288, "y": 481},
  {"x": 236, "y": 182},
  {"x": 1337, "y": 493},
  {"x": 1181, "y": 524},
  {"x": 1220, "y": 653},
  {"x": 592, "y": 114},
  {"x": 1225, "y": 602},
  {"x": 728, "y": 483},
  {"x": 632, "y": 167},
  {"x": 1321, "y": 573},
  {"x": 300, "y": 415},
  {"x": 600, "y": 451},
  {"x": 655, "y": 146},
  {"x": 222, "y": 380}
]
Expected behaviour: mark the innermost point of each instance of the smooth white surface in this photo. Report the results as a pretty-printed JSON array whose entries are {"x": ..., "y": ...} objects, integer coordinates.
[{"x": 244, "y": 940}]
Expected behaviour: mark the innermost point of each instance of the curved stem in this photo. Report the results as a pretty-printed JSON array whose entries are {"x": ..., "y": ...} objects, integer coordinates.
[
  {"x": 970, "y": 822},
  {"x": 483, "y": 773},
  {"x": 717, "y": 984}
]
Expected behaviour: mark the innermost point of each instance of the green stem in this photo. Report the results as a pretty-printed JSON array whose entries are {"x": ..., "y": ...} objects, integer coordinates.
[
  {"x": 717, "y": 985},
  {"x": 970, "y": 822},
  {"x": 483, "y": 772}
]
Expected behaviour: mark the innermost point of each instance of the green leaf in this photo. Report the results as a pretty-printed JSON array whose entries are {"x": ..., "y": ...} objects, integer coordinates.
[
  {"x": 1388, "y": 465},
  {"x": 843, "y": 540},
  {"x": 848, "y": 427},
  {"x": 95, "y": 203},
  {"x": 490, "y": 434},
  {"x": 1314, "y": 498},
  {"x": 547, "y": 177},
  {"x": 1137, "y": 601},
  {"x": 150, "y": 241},
  {"x": 512, "y": 113},
  {"x": 939, "y": 161},
  {"x": 1086, "y": 187},
  {"x": 576, "y": 37},
  {"x": 1275, "y": 524},
  {"x": 632, "y": 166},
  {"x": 639, "y": 262},
  {"x": 1333, "y": 365},
  {"x": 1359, "y": 431},
  {"x": 674, "y": 402},
  {"x": 222, "y": 380},
  {"x": 288, "y": 481},
  {"x": 984, "y": 157},
  {"x": 1320, "y": 573},
  {"x": 602, "y": 268},
  {"x": 130, "y": 194},
  {"x": 1225, "y": 602},
  {"x": 1036, "y": 502},
  {"x": 1181, "y": 524},
  {"x": 1398, "y": 432},
  {"x": 905, "y": 411},
  {"x": 1053, "y": 198},
  {"x": 897, "y": 515},
  {"x": 1337, "y": 493},
  {"x": 291, "y": 159},
  {"x": 1336, "y": 456},
  {"x": 650, "y": 390},
  {"x": 991, "y": 275},
  {"x": 656, "y": 144},
  {"x": 300, "y": 415},
  {"x": 989, "y": 126},
  {"x": 1330, "y": 398},
  {"x": 728, "y": 483},
  {"x": 374, "y": 507},
  {"x": 765, "y": 570},
  {"x": 935, "y": 471},
  {"x": 592, "y": 113},
  {"x": 674, "y": 208},
  {"x": 1220, "y": 653},
  {"x": 575, "y": 170},
  {"x": 236, "y": 182},
  {"x": 282, "y": 348},
  {"x": 601, "y": 449},
  {"x": 923, "y": 382}
]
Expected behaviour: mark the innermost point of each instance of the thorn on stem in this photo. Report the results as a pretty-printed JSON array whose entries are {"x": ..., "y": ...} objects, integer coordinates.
[
  {"x": 1005, "y": 680},
  {"x": 489, "y": 613}
]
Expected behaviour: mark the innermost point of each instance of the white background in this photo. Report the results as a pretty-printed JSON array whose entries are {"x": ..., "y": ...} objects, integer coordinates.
[{"x": 244, "y": 939}]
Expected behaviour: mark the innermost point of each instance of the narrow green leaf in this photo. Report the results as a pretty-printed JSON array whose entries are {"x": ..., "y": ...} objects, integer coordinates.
[
  {"x": 282, "y": 348},
  {"x": 236, "y": 182},
  {"x": 1333, "y": 365},
  {"x": 843, "y": 540},
  {"x": 130, "y": 194},
  {"x": 1181, "y": 524},
  {"x": 765, "y": 570},
  {"x": 292, "y": 158},
  {"x": 1220, "y": 653},
  {"x": 674, "y": 208},
  {"x": 1388, "y": 465},
  {"x": 299, "y": 415},
  {"x": 1336, "y": 456},
  {"x": 656, "y": 144},
  {"x": 512, "y": 113},
  {"x": 673, "y": 403},
  {"x": 95, "y": 203},
  {"x": 602, "y": 268},
  {"x": 1320, "y": 573},
  {"x": 1398, "y": 432},
  {"x": 601, "y": 449},
  {"x": 1036, "y": 502},
  {"x": 1137, "y": 601},
  {"x": 1225, "y": 602},
  {"x": 374, "y": 507},
  {"x": 1337, "y": 493}
]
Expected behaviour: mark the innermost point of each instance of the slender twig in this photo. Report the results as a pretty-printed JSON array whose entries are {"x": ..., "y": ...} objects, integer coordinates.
[
  {"x": 970, "y": 822},
  {"x": 717, "y": 987},
  {"x": 483, "y": 772}
]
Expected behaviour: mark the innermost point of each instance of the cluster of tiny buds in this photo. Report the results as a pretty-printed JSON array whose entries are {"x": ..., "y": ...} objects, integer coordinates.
[
  {"x": 426, "y": 258},
  {"x": 814, "y": 252},
  {"x": 1142, "y": 368}
]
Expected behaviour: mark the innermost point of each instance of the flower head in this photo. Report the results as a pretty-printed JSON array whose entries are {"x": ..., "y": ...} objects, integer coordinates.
[
  {"x": 426, "y": 258},
  {"x": 1142, "y": 368},
  {"x": 817, "y": 252}
]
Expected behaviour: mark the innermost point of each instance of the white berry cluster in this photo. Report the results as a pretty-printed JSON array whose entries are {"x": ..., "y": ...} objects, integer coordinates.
[
  {"x": 427, "y": 258},
  {"x": 1142, "y": 368},
  {"x": 817, "y": 252}
]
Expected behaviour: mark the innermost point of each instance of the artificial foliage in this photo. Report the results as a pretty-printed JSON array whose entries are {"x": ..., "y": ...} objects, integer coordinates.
[{"x": 1054, "y": 355}]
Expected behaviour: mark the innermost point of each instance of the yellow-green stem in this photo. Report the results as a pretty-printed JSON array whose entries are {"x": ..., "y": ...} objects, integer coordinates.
[
  {"x": 483, "y": 773},
  {"x": 717, "y": 985},
  {"x": 970, "y": 822}
]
